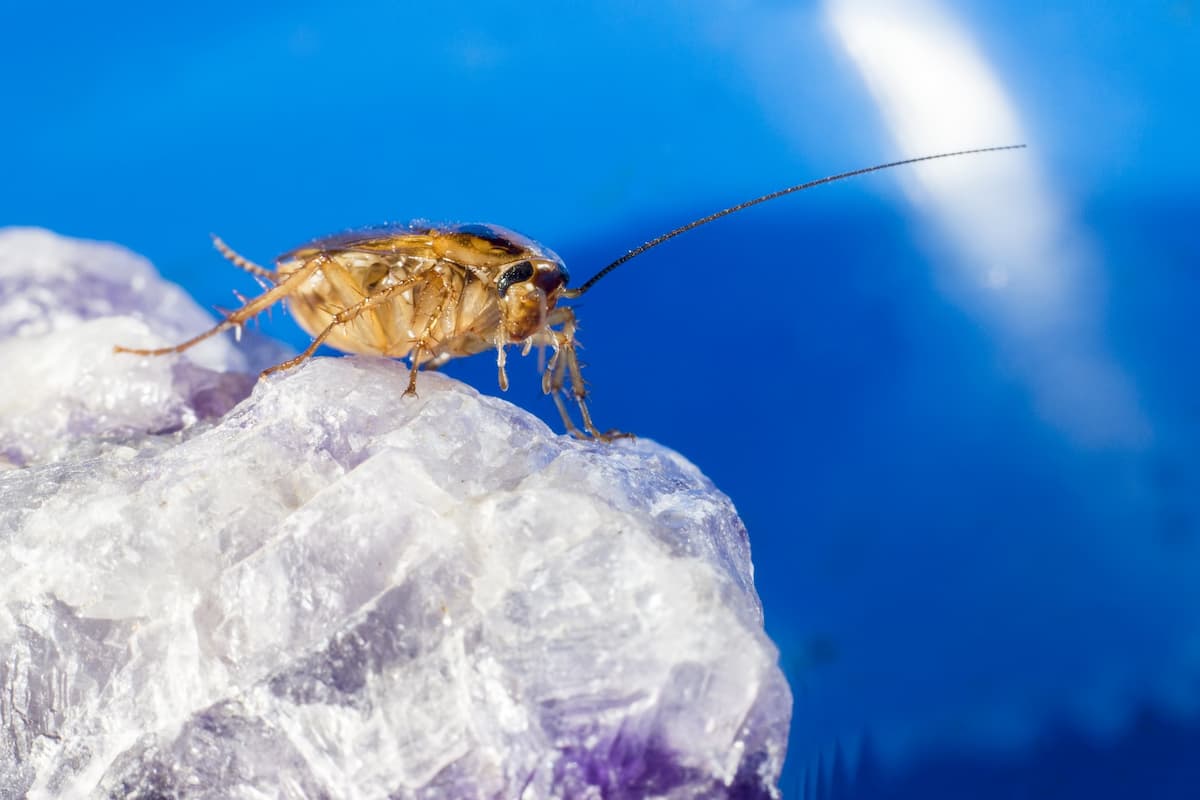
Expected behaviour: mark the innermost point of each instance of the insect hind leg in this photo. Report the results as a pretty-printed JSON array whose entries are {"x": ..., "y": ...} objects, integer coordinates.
[{"x": 251, "y": 308}]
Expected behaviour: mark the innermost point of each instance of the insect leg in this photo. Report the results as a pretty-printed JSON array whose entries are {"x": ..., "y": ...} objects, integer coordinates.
[
  {"x": 501, "y": 359},
  {"x": 566, "y": 416},
  {"x": 447, "y": 296},
  {"x": 553, "y": 379},
  {"x": 244, "y": 263},
  {"x": 565, "y": 363},
  {"x": 341, "y": 318},
  {"x": 250, "y": 309}
]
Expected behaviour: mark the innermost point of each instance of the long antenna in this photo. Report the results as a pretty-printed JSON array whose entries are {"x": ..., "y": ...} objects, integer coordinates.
[{"x": 637, "y": 251}]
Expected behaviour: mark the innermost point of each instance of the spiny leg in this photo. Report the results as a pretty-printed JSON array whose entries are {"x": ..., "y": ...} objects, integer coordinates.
[
  {"x": 242, "y": 262},
  {"x": 342, "y": 290},
  {"x": 341, "y": 318},
  {"x": 566, "y": 417},
  {"x": 252, "y": 307},
  {"x": 566, "y": 361},
  {"x": 553, "y": 380},
  {"x": 447, "y": 291},
  {"x": 554, "y": 373}
]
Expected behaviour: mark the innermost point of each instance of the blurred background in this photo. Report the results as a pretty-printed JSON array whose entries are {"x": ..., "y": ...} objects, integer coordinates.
[{"x": 957, "y": 405}]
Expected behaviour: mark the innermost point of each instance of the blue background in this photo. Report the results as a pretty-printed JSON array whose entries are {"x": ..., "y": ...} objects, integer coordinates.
[{"x": 970, "y": 600}]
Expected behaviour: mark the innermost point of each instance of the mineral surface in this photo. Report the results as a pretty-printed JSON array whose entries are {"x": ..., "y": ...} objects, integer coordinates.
[{"x": 311, "y": 586}]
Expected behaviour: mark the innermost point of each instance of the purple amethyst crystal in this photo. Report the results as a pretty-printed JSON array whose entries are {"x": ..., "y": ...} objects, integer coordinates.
[{"x": 310, "y": 586}]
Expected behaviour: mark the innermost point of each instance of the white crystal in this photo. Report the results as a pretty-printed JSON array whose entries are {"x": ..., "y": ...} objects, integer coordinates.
[{"x": 335, "y": 591}]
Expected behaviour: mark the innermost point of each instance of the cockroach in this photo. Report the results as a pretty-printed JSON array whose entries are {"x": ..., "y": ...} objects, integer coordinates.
[{"x": 433, "y": 292}]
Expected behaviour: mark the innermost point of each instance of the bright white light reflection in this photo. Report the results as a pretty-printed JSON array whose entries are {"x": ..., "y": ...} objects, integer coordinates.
[{"x": 1028, "y": 269}]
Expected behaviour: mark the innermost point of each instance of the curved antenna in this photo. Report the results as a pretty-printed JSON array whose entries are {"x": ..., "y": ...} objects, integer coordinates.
[{"x": 637, "y": 251}]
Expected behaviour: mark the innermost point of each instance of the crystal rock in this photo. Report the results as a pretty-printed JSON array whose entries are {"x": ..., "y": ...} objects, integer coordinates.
[{"x": 311, "y": 586}]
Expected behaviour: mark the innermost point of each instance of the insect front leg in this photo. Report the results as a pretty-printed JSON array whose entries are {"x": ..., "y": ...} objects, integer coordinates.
[
  {"x": 564, "y": 364},
  {"x": 239, "y": 317},
  {"x": 501, "y": 360}
]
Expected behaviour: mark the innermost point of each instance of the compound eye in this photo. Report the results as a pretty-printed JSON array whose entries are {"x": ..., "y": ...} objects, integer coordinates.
[
  {"x": 521, "y": 271},
  {"x": 550, "y": 279}
]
